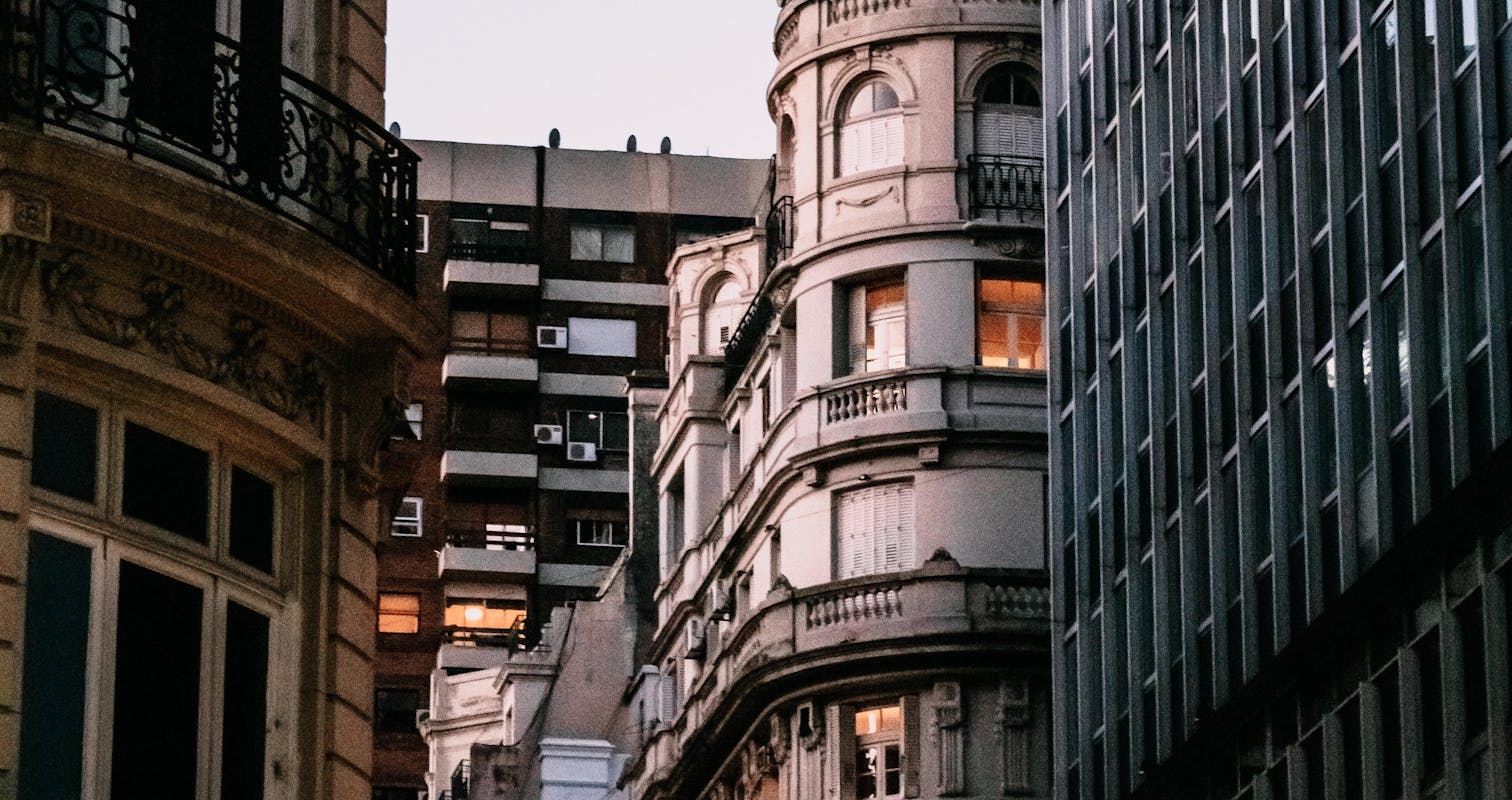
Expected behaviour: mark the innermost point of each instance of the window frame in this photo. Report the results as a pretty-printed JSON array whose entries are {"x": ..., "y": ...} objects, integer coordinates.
[
  {"x": 1010, "y": 312},
  {"x": 418, "y": 519},
  {"x": 602, "y": 229},
  {"x": 399, "y": 614},
  {"x": 873, "y": 559},
  {"x": 598, "y": 440},
  {"x": 600, "y": 350},
  {"x": 619, "y": 532},
  {"x": 884, "y": 124}
]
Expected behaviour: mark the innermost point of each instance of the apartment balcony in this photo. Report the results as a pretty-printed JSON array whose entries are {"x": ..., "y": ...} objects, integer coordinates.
[
  {"x": 940, "y": 615},
  {"x": 506, "y": 280},
  {"x": 486, "y": 554},
  {"x": 479, "y": 648},
  {"x": 1006, "y": 189},
  {"x": 481, "y": 468},
  {"x": 781, "y": 231},
  {"x": 488, "y": 367},
  {"x": 214, "y": 108}
]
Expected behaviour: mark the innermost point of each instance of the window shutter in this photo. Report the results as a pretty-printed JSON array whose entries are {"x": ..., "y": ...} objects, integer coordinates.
[
  {"x": 668, "y": 698},
  {"x": 875, "y": 530},
  {"x": 911, "y": 755},
  {"x": 850, "y": 137},
  {"x": 892, "y": 134},
  {"x": 992, "y": 133},
  {"x": 841, "y": 727},
  {"x": 1028, "y": 136},
  {"x": 857, "y": 323},
  {"x": 905, "y": 526},
  {"x": 789, "y": 365}
]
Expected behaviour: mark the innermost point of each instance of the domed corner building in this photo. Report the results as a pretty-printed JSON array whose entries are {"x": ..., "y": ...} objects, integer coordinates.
[{"x": 206, "y": 322}]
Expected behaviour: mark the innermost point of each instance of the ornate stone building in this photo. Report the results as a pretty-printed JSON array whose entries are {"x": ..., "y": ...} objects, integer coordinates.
[
  {"x": 206, "y": 322},
  {"x": 851, "y": 464}
]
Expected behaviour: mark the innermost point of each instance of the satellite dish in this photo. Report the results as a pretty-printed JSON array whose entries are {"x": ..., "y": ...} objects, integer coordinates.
[
  {"x": 554, "y": 139},
  {"x": 666, "y": 144},
  {"x": 394, "y": 128},
  {"x": 630, "y": 144}
]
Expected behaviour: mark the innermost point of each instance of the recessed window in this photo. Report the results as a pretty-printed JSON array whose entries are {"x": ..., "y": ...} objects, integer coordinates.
[
  {"x": 485, "y": 623},
  {"x": 490, "y": 240},
  {"x": 1008, "y": 120},
  {"x": 879, "y": 753},
  {"x": 398, "y": 612},
  {"x": 414, "y": 415},
  {"x": 491, "y": 333},
  {"x": 64, "y": 439},
  {"x": 251, "y": 529},
  {"x": 166, "y": 483},
  {"x": 606, "y": 430},
  {"x": 601, "y": 337},
  {"x": 1010, "y": 323},
  {"x": 394, "y": 710},
  {"x": 601, "y": 533},
  {"x": 407, "y": 520},
  {"x": 613, "y": 243},
  {"x": 720, "y": 316},
  {"x": 871, "y": 128},
  {"x": 874, "y": 530},
  {"x": 878, "y": 332}
]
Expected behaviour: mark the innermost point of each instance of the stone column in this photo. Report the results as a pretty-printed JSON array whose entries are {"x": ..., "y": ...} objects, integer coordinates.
[
  {"x": 948, "y": 719},
  {"x": 1014, "y": 719}
]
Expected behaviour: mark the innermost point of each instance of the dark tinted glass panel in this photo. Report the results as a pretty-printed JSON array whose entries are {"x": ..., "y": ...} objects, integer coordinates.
[
  {"x": 394, "y": 710},
  {"x": 251, "y": 519},
  {"x": 157, "y": 671},
  {"x": 173, "y": 55},
  {"x": 63, "y": 446},
  {"x": 246, "y": 704},
  {"x": 166, "y": 483},
  {"x": 52, "y": 678}
]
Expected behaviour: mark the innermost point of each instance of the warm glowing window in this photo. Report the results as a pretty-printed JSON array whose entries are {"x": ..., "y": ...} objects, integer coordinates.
[
  {"x": 1010, "y": 323},
  {"x": 879, "y": 753},
  {"x": 871, "y": 129},
  {"x": 482, "y": 614},
  {"x": 878, "y": 327},
  {"x": 398, "y": 613}
]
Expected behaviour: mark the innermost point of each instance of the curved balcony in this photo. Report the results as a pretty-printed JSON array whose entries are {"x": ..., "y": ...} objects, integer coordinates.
[
  {"x": 936, "y": 616},
  {"x": 192, "y": 99}
]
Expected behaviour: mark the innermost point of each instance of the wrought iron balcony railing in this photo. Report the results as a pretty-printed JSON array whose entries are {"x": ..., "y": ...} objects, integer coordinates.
[
  {"x": 781, "y": 230},
  {"x": 747, "y": 335},
  {"x": 144, "y": 76},
  {"x": 461, "y": 780},
  {"x": 1006, "y": 188}
]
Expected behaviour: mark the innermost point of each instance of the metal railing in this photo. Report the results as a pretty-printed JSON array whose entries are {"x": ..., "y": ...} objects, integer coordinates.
[
  {"x": 1006, "y": 187},
  {"x": 507, "y": 638},
  {"x": 461, "y": 780},
  {"x": 781, "y": 230},
  {"x": 143, "y": 79},
  {"x": 747, "y": 335},
  {"x": 491, "y": 252},
  {"x": 491, "y": 540}
]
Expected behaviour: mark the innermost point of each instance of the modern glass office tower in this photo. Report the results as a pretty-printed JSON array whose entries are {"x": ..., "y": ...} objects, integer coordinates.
[{"x": 1280, "y": 397}]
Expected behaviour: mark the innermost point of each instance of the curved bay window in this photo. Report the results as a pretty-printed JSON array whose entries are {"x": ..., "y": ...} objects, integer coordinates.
[
  {"x": 871, "y": 128},
  {"x": 1010, "y": 323}
]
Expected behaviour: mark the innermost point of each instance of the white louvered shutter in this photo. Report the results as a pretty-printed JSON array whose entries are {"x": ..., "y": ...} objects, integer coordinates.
[
  {"x": 876, "y": 530},
  {"x": 857, "y": 323},
  {"x": 1009, "y": 133}
]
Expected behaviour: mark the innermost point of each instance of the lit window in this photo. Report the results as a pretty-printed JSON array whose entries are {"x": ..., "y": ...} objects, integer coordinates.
[
  {"x": 407, "y": 520},
  {"x": 871, "y": 128},
  {"x": 874, "y": 530},
  {"x": 601, "y": 533},
  {"x": 615, "y": 243},
  {"x": 398, "y": 613},
  {"x": 606, "y": 430},
  {"x": 601, "y": 337},
  {"x": 878, "y": 330},
  {"x": 1010, "y": 324},
  {"x": 485, "y": 623},
  {"x": 879, "y": 753}
]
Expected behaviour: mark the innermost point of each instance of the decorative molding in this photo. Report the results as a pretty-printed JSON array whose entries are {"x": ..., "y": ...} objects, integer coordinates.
[
  {"x": 25, "y": 216},
  {"x": 949, "y": 716},
  {"x": 376, "y": 398},
  {"x": 77, "y": 235},
  {"x": 1014, "y": 714},
  {"x": 787, "y": 36},
  {"x": 293, "y": 390},
  {"x": 866, "y": 202},
  {"x": 1018, "y": 246}
]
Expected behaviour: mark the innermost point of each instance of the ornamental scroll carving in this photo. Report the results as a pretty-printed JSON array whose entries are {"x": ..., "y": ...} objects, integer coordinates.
[{"x": 293, "y": 390}]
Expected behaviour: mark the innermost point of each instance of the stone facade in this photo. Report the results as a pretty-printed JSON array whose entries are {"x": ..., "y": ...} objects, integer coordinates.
[{"x": 197, "y": 383}]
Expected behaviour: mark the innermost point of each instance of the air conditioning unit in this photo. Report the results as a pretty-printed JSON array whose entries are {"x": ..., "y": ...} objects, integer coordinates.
[
  {"x": 548, "y": 434},
  {"x": 693, "y": 640},
  {"x": 721, "y": 599},
  {"x": 582, "y": 451},
  {"x": 551, "y": 337}
]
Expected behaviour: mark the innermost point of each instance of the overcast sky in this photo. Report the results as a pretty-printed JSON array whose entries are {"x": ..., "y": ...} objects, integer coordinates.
[{"x": 508, "y": 71}]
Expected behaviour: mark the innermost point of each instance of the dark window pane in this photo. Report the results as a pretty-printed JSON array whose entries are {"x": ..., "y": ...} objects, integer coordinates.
[
  {"x": 173, "y": 59},
  {"x": 53, "y": 675},
  {"x": 63, "y": 446},
  {"x": 1473, "y": 663},
  {"x": 1432, "y": 707},
  {"x": 394, "y": 710},
  {"x": 166, "y": 483},
  {"x": 243, "y": 746},
  {"x": 157, "y": 671},
  {"x": 251, "y": 520}
]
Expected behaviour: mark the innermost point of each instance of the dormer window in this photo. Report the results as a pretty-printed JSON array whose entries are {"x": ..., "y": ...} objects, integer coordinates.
[{"x": 871, "y": 128}]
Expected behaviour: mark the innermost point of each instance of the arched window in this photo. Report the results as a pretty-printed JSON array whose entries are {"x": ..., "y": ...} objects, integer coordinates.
[
  {"x": 871, "y": 128},
  {"x": 1008, "y": 113},
  {"x": 720, "y": 316}
]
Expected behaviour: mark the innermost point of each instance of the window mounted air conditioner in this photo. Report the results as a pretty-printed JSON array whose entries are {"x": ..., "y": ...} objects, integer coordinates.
[
  {"x": 551, "y": 337},
  {"x": 548, "y": 434},
  {"x": 582, "y": 451},
  {"x": 693, "y": 639}
]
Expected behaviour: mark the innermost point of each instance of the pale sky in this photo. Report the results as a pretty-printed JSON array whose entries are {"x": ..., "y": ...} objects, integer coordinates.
[{"x": 508, "y": 71}]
